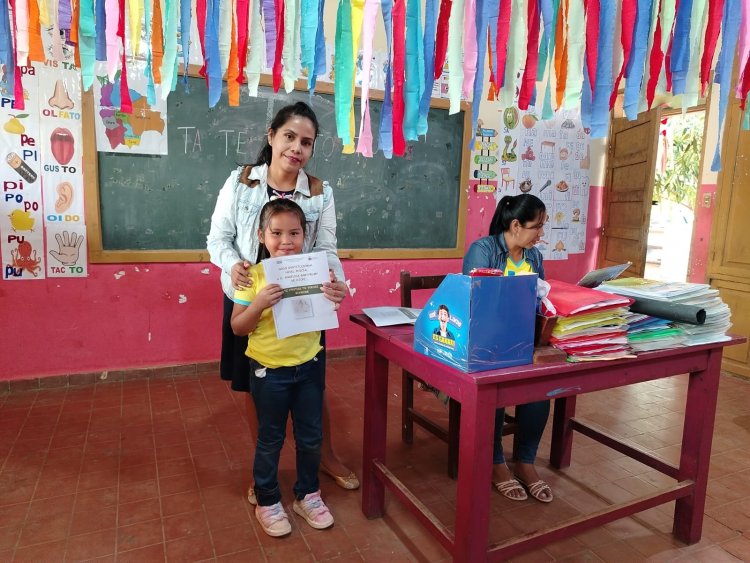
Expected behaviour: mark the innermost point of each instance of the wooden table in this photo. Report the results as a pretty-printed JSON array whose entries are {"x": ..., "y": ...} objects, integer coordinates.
[{"x": 482, "y": 392}]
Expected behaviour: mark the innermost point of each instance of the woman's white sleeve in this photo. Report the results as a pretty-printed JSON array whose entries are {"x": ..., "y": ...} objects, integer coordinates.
[
  {"x": 220, "y": 240},
  {"x": 326, "y": 236}
]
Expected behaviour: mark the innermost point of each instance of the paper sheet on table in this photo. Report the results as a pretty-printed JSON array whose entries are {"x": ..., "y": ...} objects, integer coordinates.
[{"x": 388, "y": 316}]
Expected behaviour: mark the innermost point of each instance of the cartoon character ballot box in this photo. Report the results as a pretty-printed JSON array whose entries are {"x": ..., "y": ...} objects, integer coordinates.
[{"x": 479, "y": 323}]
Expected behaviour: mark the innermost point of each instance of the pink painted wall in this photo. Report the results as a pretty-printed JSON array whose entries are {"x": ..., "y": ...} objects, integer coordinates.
[
  {"x": 131, "y": 315},
  {"x": 705, "y": 204}
]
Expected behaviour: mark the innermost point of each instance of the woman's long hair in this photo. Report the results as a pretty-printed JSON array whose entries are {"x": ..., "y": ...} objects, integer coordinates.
[
  {"x": 282, "y": 116},
  {"x": 524, "y": 207}
]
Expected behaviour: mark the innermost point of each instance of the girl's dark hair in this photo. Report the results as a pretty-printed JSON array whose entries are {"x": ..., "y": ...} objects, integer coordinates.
[
  {"x": 524, "y": 207},
  {"x": 282, "y": 116},
  {"x": 274, "y": 207}
]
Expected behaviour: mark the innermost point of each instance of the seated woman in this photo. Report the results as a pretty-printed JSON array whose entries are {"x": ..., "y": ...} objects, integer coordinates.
[{"x": 517, "y": 225}]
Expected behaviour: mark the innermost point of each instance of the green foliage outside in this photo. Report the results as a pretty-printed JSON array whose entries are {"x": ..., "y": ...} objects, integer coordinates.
[{"x": 679, "y": 182}]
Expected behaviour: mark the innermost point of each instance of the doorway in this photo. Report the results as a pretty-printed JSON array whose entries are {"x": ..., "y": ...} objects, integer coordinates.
[{"x": 676, "y": 183}]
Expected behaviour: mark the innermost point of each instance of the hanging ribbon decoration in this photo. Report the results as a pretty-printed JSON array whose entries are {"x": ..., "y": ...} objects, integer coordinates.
[
  {"x": 603, "y": 80},
  {"x": 492, "y": 7},
  {"x": 200, "y": 18},
  {"x": 627, "y": 23},
  {"x": 86, "y": 41},
  {"x": 101, "y": 30},
  {"x": 257, "y": 41},
  {"x": 730, "y": 32},
  {"x": 482, "y": 17},
  {"x": 364, "y": 143},
  {"x": 21, "y": 24},
  {"x": 279, "y": 19},
  {"x": 320, "y": 49},
  {"x": 428, "y": 50},
  {"x": 233, "y": 71},
  {"x": 576, "y": 47},
  {"x": 455, "y": 47},
  {"x": 655, "y": 61},
  {"x": 561, "y": 53},
  {"x": 290, "y": 52},
  {"x": 150, "y": 86},
  {"x": 743, "y": 82},
  {"x": 385, "y": 131},
  {"x": 169, "y": 62},
  {"x": 269, "y": 20},
  {"x": 226, "y": 37},
  {"x": 113, "y": 45},
  {"x": 125, "y": 103},
  {"x": 344, "y": 75},
  {"x": 36, "y": 48},
  {"x": 357, "y": 10},
  {"x": 134, "y": 22},
  {"x": 157, "y": 42},
  {"x": 680, "y": 55},
  {"x": 528, "y": 81},
  {"x": 546, "y": 67},
  {"x": 399, "y": 22},
  {"x": 213, "y": 62},
  {"x": 503, "y": 30},
  {"x": 592, "y": 33},
  {"x": 692, "y": 82},
  {"x": 715, "y": 8},
  {"x": 6, "y": 53},
  {"x": 516, "y": 52},
  {"x": 185, "y": 23},
  {"x": 441, "y": 39},
  {"x": 75, "y": 34},
  {"x": 307, "y": 33},
  {"x": 470, "y": 47},
  {"x": 635, "y": 68},
  {"x": 414, "y": 69}
]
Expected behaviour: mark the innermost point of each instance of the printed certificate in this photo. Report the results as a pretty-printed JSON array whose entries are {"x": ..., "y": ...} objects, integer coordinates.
[{"x": 304, "y": 307}]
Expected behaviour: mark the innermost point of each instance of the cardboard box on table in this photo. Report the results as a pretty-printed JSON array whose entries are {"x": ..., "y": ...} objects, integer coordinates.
[{"x": 490, "y": 322}]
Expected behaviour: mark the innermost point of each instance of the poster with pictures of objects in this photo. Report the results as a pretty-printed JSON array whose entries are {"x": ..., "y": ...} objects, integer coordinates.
[{"x": 549, "y": 159}]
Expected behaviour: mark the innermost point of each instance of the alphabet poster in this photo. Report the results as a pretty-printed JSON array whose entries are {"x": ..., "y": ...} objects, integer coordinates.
[
  {"x": 42, "y": 222},
  {"x": 549, "y": 159}
]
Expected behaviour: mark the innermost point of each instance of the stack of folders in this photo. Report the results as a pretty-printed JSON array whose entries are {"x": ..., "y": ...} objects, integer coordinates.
[
  {"x": 591, "y": 325},
  {"x": 647, "y": 333},
  {"x": 697, "y": 295}
]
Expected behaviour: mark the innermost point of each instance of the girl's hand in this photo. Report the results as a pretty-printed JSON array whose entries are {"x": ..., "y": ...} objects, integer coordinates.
[
  {"x": 239, "y": 275},
  {"x": 334, "y": 290},
  {"x": 268, "y": 296}
]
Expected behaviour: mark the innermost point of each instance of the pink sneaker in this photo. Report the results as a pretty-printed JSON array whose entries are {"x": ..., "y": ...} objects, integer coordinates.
[
  {"x": 313, "y": 509},
  {"x": 273, "y": 520}
]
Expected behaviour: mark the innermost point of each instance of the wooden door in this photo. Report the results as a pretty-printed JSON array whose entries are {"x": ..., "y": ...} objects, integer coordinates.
[
  {"x": 628, "y": 191},
  {"x": 729, "y": 254}
]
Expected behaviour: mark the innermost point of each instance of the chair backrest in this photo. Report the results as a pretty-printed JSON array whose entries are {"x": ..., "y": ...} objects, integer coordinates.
[{"x": 411, "y": 283}]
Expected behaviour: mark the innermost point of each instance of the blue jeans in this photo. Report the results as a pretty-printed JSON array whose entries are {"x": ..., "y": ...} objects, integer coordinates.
[
  {"x": 298, "y": 390},
  {"x": 531, "y": 419}
]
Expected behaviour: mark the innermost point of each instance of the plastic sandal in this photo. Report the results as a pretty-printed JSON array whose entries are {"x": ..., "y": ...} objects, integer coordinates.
[
  {"x": 509, "y": 487},
  {"x": 538, "y": 489}
]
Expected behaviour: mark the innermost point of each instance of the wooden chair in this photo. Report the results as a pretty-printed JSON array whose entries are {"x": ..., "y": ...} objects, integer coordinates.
[{"x": 409, "y": 414}]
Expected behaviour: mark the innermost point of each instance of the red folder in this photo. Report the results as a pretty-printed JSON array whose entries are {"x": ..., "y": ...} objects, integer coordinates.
[{"x": 570, "y": 299}]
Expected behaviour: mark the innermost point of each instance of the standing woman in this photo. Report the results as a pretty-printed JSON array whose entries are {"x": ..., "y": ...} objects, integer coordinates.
[
  {"x": 233, "y": 244},
  {"x": 516, "y": 227}
]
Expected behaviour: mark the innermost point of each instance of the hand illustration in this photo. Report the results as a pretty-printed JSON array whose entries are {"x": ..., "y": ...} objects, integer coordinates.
[{"x": 68, "y": 245}]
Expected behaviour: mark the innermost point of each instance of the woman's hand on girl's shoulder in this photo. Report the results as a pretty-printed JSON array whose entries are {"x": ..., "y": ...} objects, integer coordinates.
[
  {"x": 240, "y": 280},
  {"x": 268, "y": 296}
]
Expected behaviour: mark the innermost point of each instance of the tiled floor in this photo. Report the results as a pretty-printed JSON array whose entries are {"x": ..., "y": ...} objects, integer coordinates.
[{"x": 154, "y": 470}]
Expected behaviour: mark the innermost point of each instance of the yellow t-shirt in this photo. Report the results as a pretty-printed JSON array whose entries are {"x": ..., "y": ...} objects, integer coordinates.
[
  {"x": 263, "y": 346},
  {"x": 511, "y": 268}
]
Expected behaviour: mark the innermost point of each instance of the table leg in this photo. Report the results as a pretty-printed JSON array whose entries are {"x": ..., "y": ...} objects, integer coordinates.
[
  {"x": 474, "y": 474},
  {"x": 697, "y": 434},
  {"x": 562, "y": 433},
  {"x": 373, "y": 445}
]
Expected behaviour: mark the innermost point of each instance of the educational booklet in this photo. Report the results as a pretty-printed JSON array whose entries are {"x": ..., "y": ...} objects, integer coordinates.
[
  {"x": 388, "y": 316},
  {"x": 596, "y": 277},
  {"x": 303, "y": 307}
]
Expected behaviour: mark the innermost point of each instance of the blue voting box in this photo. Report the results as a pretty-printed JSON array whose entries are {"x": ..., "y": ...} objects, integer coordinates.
[{"x": 479, "y": 323}]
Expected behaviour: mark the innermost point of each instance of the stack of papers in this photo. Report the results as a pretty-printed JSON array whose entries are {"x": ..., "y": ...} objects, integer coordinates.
[
  {"x": 647, "y": 333},
  {"x": 601, "y": 335},
  {"x": 718, "y": 315}
]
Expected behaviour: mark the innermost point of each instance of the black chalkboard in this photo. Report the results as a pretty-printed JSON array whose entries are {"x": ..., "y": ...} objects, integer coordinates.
[{"x": 156, "y": 203}]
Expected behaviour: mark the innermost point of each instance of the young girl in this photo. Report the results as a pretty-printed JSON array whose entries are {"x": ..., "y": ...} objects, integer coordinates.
[{"x": 286, "y": 375}]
